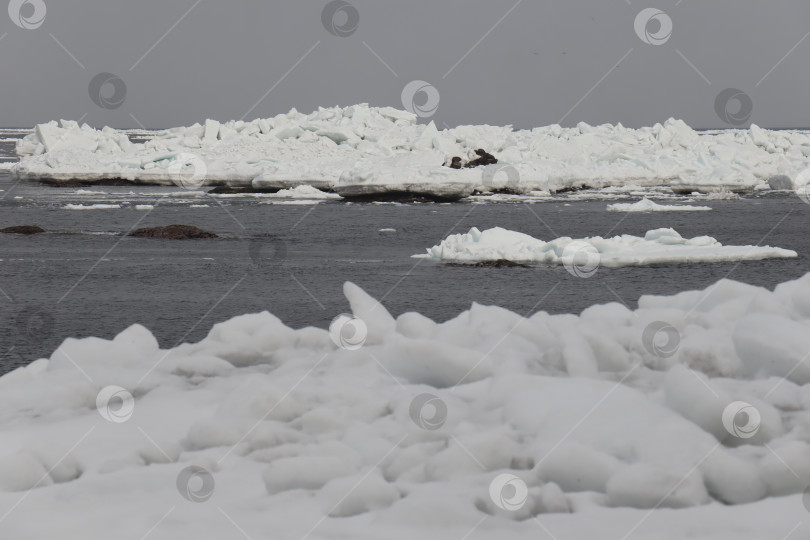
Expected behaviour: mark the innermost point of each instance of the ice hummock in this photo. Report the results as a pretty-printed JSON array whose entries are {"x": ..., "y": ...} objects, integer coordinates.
[
  {"x": 659, "y": 246},
  {"x": 607, "y": 426},
  {"x": 362, "y": 150}
]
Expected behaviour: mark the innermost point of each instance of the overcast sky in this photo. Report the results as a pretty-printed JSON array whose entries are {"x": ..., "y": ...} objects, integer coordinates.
[{"x": 526, "y": 63}]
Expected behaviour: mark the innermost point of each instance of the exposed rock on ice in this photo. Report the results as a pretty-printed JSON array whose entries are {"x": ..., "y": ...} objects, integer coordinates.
[{"x": 475, "y": 158}]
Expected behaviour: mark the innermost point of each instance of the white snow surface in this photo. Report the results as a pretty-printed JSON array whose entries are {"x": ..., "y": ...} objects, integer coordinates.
[
  {"x": 305, "y": 192},
  {"x": 91, "y": 206},
  {"x": 612, "y": 432},
  {"x": 360, "y": 150},
  {"x": 646, "y": 205},
  {"x": 659, "y": 246}
]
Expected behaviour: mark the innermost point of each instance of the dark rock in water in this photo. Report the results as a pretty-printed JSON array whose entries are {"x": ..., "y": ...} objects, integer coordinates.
[
  {"x": 23, "y": 229},
  {"x": 484, "y": 158},
  {"x": 173, "y": 232},
  {"x": 500, "y": 263},
  {"x": 229, "y": 190}
]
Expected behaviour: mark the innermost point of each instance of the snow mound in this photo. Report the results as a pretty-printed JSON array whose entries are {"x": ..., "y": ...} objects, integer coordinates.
[
  {"x": 489, "y": 419},
  {"x": 361, "y": 150},
  {"x": 659, "y": 246},
  {"x": 646, "y": 205},
  {"x": 305, "y": 192}
]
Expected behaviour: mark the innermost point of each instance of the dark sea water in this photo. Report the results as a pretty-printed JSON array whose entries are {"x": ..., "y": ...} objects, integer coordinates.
[{"x": 86, "y": 278}]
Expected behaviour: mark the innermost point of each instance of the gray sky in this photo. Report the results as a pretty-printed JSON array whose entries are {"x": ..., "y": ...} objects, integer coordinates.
[{"x": 526, "y": 63}]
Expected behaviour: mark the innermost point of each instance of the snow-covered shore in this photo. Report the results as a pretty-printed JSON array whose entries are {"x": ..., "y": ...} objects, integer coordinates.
[
  {"x": 362, "y": 150},
  {"x": 688, "y": 416}
]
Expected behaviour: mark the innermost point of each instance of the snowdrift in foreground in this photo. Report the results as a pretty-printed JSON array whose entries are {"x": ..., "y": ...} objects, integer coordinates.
[
  {"x": 646, "y": 205},
  {"x": 584, "y": 256},
  {"x": 362, "y": 150},
  {"x": 404, "y": 427}
]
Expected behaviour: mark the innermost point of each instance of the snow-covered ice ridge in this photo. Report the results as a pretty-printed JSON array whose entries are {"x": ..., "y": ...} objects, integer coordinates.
[
  {"x": 365, "y": 150},
  {"x": 584, "y": 256},
  {"x": 698, "y": 401}
]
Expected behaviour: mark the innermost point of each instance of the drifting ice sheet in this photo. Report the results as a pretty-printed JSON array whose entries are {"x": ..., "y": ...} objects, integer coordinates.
[
  {"x": 659, "y": 246},
  {"x": 91, "y": 206}
]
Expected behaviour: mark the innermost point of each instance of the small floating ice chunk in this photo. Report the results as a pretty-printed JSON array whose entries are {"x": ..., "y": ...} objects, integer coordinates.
[
  {"x": 91, "y": 206},
  {"x": 305, "y": 192},
  {"x": 646, "y": 205}
]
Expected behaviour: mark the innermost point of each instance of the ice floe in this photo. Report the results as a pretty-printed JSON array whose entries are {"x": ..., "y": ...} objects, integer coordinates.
[
  {"x": 646, "y": 205},
  {"x": 361, "y": 150},
  {"x": 305, "y": 192},
  {"x": 91, "y": 206},
  {"x": 659, "y": 246}
]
